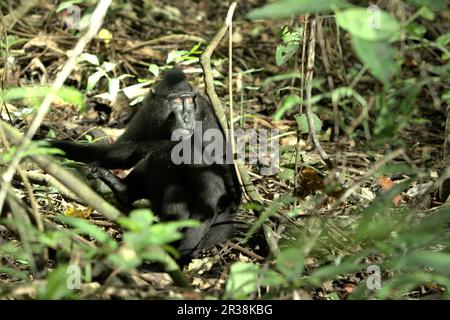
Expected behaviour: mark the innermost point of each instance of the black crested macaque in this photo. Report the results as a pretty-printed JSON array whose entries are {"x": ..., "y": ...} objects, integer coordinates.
[{"x": 208, "y": 191}]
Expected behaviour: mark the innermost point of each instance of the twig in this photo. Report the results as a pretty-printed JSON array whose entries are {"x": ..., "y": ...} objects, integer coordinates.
[
  {"x": 363, "y": 115},
  {"x": 24, "y": 6},
  {"x": 302, "y": 91},
  {"x": 5, "y": 69},
  {"x": 21, "y": 173},
  {"x": 20, "y": 213},
  {"x": 230, "y": 95},
  {"x": 309, "y": 78},
  {"x": 24, "y": 178},
  {"x": 66, "y": 178},
  {"x": 48, "y": 180},
  {"x": 95, "y": 24},
  {"x": 380, "y": 163},
  {"x": 326, "y": 64},
  {"x": 91, "y": 198},
  {"x": 246, "y": 251},
  {"x": 205, "y": 61}
]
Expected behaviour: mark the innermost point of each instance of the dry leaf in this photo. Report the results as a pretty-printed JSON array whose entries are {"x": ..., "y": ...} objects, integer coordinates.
[
  {"x": 78, "y": 213},
  {"x": 310, "y": 182},
  {"x": 387, "y": 184}
]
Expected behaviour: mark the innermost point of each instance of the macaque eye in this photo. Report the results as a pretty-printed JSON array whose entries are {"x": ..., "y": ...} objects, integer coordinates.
[
  {"x": 178, "y": 101},
  {"x": 189, "y": 101}
]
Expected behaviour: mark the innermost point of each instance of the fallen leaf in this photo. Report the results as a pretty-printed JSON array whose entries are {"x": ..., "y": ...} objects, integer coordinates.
[
  {"x": 78, "y": 213},
  {"x": 387, "y": 184},
  {"x": 310, "y": 182}
]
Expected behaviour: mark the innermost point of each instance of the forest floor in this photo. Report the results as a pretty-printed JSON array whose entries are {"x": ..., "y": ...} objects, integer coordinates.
[{"x": 141, "y": 38}]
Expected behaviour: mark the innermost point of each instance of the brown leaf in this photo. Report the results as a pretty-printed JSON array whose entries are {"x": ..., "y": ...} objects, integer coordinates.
[
  {"x": 310, "y": 182},
  {"x": 387, "y": 184}
]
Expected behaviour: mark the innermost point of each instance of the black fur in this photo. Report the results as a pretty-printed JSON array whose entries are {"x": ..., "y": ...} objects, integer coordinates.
[{"x": 206, "y": 192}]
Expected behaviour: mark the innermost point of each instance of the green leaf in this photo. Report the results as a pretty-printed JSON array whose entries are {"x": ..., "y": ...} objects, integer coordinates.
[
  {"x": 379, "y": 57},
  {"x": 290, "y": 263},
  {"x": 125, "y": 258},
  {"x": 10, "y": 42},
  {"x": 427, "y": 13},
  {"x": 416, "y": 30},
  {"x": 85, "y": 20},
  {"x": 436, "y": 5},
  {"x": 157, "y": 254},
  {"x": 368, "y": 25},
  {"x": 61, "y": 239},
  {"x": 158, "y": 234},
  {"x": 446, "y": 96},
  {"x": 286, "y": 174},
  {"x": 94, "y": 79},
  {"x": 438, "y": 261},
  {"x": 154, "y": 69},
  {"x": 332, "y": 296},
  {"x": 144, "y": 217},
  {"x": 113, "y": 88},
  {"x": 289, "y": 35},
  {"x": 84, "y": 227},
  {"x": 137, "y": 100},
  {"x": 67, "y": 4},
  {"x": 291, "y": 41},
  {"x": 272, "y": 278},
  {"x": 108, "y": 66},
  {"x": 88, "y": 57},
  {"x": 12, "y": 250},
  {"x": 56, "y": 286},
  {"x": 274, "y": 207},
  {"x": 287, "y": 8},
  {"x": 14, "y": 273},
  {"x": 287, "y": 104},
  {"x": 143, "y": 232},
  {"x": 36, "y": 94},
  {"x": 284, "y": 52},
  {"x": 332, "y": 271},
  {"x": 137, "y": 220},
  {"x": 242, "y": 280},
  {"x": 167, "y": 232},
  {"x": 302, "y": 123},
  {"x": 378, "y": 220},
  {"x": 175, "y": 55},
  {"x": 443, "y": 40},
  {"x": 282, "y": 77},
  {"x": 397, "y": 168},
  {"x": 72, "y": 96}
]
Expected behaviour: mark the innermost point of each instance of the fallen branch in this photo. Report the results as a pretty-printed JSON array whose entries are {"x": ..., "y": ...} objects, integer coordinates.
[
  {"x": 375, "y": 168},
  {"x": 205, "y": 61},
  {"x": 94, "y": 26},
  {"x": 74, "y": 184},
  {"x": 24, "y": 6},
  {"x": 89, "y": 196},
  {"x": 48, "y": 180},
  {"x": 309, "y": 78},
  {"x": 21, "y": 216}
]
